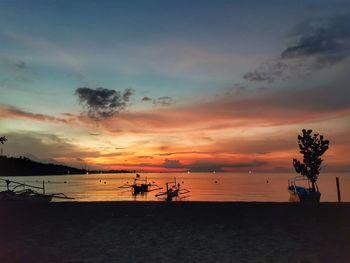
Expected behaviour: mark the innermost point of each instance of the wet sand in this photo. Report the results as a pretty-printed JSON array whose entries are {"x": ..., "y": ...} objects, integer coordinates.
[{"x": 174, "y": 232}]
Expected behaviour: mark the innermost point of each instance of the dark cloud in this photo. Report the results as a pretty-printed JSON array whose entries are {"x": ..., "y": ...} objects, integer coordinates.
[
  {"x": 209, "y": 167},
  {"x": 316, "y": 44},
  {"x": 327, "y": 40},
  {"x": 145, "y": 157},
  {"x": 258, "y": 76},
  {"x": 176, "y": 153},
  {"x": 127, "y": 94},
  {"x": 274, "y": 69},
  {"x": 146, "y": 99},
  {"x": 172, "y": 164},
  {"x": 13, "y": 64},
  {"x": 102, "y": 103},
  {"x": 163, "y": 101}
]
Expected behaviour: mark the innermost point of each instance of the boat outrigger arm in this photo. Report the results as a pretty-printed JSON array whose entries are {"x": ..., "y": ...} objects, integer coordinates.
[
  {"x": 173, "y": 189},
  {"x": 27, "y": 192}
]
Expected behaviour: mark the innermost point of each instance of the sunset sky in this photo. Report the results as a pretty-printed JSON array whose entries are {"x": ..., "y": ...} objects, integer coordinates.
[{"x": 174, "y": 85}]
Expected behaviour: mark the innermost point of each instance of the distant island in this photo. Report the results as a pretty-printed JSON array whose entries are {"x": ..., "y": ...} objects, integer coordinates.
[{"x": 23, "y": 166}]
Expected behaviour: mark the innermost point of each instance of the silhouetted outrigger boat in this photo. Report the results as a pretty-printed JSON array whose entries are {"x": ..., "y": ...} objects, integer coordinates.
[
  {"x": 141, "y": 185},
  {"x": 173, "y": 189},
  {"x": 303, "y": 194},
  {"x": 27, "y": 193}
]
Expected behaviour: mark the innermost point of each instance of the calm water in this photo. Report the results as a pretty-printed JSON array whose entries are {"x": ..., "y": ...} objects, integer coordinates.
[{"x": 203, "y": 186}]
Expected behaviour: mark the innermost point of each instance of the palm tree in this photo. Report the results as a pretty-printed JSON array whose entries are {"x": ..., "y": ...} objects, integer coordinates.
[{"x": 312, "y": 147}]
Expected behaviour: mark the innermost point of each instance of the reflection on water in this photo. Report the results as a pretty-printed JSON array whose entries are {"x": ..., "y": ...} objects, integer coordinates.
[{"x": 203, "y": 186}]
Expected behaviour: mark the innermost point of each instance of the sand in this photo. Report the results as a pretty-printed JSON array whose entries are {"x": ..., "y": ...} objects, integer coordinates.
[{"x": 174, "y": 232}]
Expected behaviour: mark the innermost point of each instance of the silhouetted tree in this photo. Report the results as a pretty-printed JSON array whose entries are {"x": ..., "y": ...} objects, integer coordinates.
[
  {"x": 3, "y": 139},
  {"x": 312, "y": 146}
]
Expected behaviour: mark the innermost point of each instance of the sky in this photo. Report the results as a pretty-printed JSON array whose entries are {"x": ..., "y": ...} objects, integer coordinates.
[{"x": 174, "y": 85}]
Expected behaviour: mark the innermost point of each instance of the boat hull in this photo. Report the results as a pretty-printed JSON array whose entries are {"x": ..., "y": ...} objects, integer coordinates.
[
  {"x": 140, "y": 188},
  {"x": 12, "y": 196},
  {"x": 172, "y": 194},
  {"x": 293, "y": 197},
  {"x": 306, "y": 196}
]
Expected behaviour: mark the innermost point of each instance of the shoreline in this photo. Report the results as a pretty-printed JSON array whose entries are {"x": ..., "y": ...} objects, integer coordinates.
[{"x": 129, "y": 231}]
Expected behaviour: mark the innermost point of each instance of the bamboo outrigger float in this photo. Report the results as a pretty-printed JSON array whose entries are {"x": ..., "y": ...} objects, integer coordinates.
[
  {"x": 26, "y": 192},
  {"x": 141, "y": 185},
  {"x": 173, "y": 190}
]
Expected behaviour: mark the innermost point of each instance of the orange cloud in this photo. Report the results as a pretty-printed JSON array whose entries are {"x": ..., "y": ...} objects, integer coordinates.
[{"x": 9, "y": 112}]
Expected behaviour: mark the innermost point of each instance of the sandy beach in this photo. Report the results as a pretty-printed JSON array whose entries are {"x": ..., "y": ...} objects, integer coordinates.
[{"x": 174, "y": 232}]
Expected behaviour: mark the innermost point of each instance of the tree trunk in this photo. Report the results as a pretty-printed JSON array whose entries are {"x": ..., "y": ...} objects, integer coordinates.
[{"x": 313, "y": 186}]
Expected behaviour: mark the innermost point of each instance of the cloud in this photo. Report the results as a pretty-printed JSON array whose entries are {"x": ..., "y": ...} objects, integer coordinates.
[
  {"x": 163, "y": 101},
  {"x": 286, "y": 106},
  {"x": 202, "y": 166},
  {"x": 183, "y": 152},
  {"x": 316, "y": 44},
  {"x": 102, "y": 103},
  {"x": 10, "y": 112},
  {"x": 168, "y": 163},
  {"x": 39, "y": 146},
  {"x": 13, "y": 64},
  {"x": 145, "y": 157},
  {"x": 270, "y": 70},
  {"x": 16, "y": 70},
  {"x": 146, "y": 99},
  {"x": 326, "y": 40},
  {"x": 50, "y": 50},
  {"x": 258, "y": 76}
]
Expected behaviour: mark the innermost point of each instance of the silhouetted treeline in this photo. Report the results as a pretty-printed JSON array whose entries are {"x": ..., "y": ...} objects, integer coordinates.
[{"x": 21, "y": 166}]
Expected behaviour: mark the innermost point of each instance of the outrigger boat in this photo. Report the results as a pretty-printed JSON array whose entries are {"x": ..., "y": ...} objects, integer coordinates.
[
  {"x": 27, "y": 193},
  {"x": 303, "y": 194},
  {"x": 141, "y": 185},
  {"x": 173, "y": 189}
]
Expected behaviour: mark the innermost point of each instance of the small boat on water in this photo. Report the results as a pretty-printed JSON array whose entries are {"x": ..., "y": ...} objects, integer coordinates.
[
  {"x": 141, "y": 185},
  {"x": 173, "y": 190},
  {"x": 305, "y": 193},
  {"x": 16, "y": 191}
]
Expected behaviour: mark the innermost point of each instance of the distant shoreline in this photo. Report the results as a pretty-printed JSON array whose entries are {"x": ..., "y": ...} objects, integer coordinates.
[{"x": 23, "y": 166}]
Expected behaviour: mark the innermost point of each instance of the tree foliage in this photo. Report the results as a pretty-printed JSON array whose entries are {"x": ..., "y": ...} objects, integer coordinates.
[
  {"x": 312, "y": 147},
  {"x": 3, "y": 139}
]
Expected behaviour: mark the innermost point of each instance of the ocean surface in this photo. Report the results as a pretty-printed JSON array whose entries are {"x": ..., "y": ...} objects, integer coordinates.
[{"x": 203, "y": 186}]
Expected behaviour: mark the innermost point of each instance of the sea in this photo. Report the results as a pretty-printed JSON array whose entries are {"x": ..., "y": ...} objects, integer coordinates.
[{"x": 217, "y": 187}]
